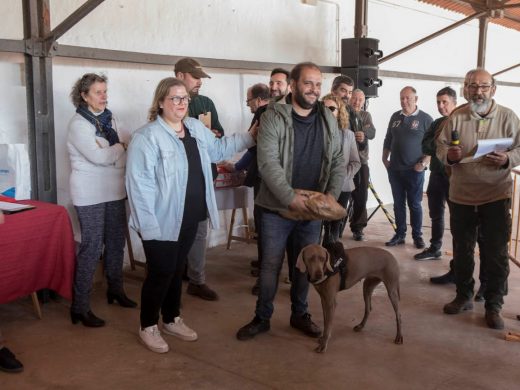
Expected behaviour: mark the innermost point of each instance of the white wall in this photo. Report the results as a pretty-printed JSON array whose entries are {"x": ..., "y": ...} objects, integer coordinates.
[{"x": 284, "y": 31}]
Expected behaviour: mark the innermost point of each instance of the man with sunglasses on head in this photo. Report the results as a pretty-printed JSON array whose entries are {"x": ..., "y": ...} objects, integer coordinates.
[
  {"x": 202, "y": 108},
  {"x": 480, "y": 194},
  {"x": 343, "y": 87}
]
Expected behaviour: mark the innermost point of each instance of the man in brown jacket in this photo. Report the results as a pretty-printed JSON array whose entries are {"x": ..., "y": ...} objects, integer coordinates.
[{"x": 480, "y": 193}]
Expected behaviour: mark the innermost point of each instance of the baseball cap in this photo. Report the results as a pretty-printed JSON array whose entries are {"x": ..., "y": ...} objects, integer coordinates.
[{"x": 191, "y": 66}]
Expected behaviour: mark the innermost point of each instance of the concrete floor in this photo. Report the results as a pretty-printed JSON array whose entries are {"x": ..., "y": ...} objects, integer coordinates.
[{"x": 439, "y": 351}]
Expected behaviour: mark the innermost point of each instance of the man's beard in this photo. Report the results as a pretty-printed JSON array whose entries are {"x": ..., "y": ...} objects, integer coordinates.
[
  {"x": 300, "y": 99},
  {"x": 480, "y": 108}
]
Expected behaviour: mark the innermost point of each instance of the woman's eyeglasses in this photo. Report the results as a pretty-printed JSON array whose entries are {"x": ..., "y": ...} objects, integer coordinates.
[
  {"x": 176, "y": 100},
  {"x": 332, "y": 108}
]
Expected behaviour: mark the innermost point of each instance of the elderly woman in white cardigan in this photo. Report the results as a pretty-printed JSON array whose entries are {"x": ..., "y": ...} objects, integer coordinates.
[{"x": 97, "y": 189}]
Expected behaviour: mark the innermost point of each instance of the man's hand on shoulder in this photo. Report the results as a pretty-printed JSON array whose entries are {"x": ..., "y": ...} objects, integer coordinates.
[{"x": 217, "y": 133}]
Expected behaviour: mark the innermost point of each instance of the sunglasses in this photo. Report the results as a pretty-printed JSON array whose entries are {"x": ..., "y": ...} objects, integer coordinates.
[{"x": 332, "y": 108}]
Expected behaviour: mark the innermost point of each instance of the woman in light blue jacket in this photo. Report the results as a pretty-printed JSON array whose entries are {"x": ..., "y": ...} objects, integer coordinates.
[{"x": 170, "y": 190}]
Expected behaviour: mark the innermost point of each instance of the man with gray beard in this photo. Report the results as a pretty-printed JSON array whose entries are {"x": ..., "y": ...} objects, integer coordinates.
[{"x": 480, "y": 194}]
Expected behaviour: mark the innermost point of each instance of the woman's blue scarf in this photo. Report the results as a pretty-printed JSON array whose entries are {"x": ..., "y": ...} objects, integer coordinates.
[{"x": 102, "y": 122}]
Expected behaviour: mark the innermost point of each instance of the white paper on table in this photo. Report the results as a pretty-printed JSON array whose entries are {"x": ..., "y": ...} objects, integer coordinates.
[
  {"x": 9, "y": 208},
  {"x": 486, "y": 146}
]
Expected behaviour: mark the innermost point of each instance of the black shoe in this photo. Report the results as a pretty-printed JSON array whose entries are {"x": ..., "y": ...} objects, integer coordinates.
[
  {"x": 305, "y": 324},
  {"x": 8, "y": 361},
  {"x": 428, "y": 254},
  {"x": 255, "y": 264},
  {"x": 88, "y": 319},
  {"x": 250, "y": 330},
  {"x": 458, "y": 305},
  {"x": 419, "y": 242},
  {"x": 120, "y": 298},
  {"x": 202, "y": 291},
  {"x": 358, "y": 235},
  {"x": 396, "y": 240},
  {"x": 256, "y": 288},
  {"x": 479, "y": 296},
  {"x": 494, "y": 320},
  {"x": 447, "y": 278}
]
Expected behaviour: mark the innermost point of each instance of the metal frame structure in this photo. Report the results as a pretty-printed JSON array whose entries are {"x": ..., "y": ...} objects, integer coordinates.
[{"x": 39, "y": 46}]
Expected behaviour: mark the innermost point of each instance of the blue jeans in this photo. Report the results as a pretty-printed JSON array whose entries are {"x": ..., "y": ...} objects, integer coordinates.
[
  {"x": 407, "y": 186},
  {"x": 275, "y": 233}
]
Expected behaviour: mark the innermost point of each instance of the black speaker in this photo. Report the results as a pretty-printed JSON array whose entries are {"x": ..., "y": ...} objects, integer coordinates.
[
  {"x": 365, "y": 78},
  {"x": 360, "y": 52}
]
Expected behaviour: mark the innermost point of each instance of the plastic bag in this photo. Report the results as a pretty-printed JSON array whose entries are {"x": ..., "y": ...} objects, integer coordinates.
[{"x": 15, "y": 171}]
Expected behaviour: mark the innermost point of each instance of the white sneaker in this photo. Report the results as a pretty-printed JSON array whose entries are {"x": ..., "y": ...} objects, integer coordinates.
[
  {"x": 180, "y": 329},
  {"x": 152, "y": 339}
]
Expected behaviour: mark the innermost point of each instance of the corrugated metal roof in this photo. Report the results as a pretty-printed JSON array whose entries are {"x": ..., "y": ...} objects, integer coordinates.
[{"x": 507, "y": 17}]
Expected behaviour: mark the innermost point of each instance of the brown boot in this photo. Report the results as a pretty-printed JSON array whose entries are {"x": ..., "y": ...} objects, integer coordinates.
[
  {"x": 494, "y": 320},
  {"x": 202, "y": 291},
  {"x": 458, "y": 305}
]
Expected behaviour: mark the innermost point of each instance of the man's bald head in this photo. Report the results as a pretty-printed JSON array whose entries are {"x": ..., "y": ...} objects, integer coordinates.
[
  {"x": 408, "y": 96},
  {"x": 481, "y": 89}
]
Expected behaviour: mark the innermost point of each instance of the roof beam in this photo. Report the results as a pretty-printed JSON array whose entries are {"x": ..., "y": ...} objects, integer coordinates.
[
  {"x": 431, "y": 36},
  {"x": 506, "y": 70},
  {"x": 72, "y": 20}
]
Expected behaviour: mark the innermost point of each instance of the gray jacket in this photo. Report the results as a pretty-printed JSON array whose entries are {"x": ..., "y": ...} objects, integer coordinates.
[{"x": 275, "y": 156}]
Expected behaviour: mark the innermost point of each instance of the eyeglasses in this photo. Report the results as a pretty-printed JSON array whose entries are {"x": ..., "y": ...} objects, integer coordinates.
[
  {"x": 176, "y": 100},
  {"x": 332, "y": 108},
  {"x": 476, "y": 87},
  {"x": 248, "y": 100}
]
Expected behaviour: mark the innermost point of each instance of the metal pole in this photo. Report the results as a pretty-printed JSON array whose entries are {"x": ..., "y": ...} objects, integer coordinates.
[
  {"x": 506, "y": 70},
  {"x": 360, "y": 25},
  {"x": 482, "y": 40},
  {"x": 40, "y": 108},
  {"x": 431, "y": 36}
]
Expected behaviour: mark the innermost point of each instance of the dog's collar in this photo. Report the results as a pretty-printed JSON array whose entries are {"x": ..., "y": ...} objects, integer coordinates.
[{"x": 338, "y": 266}]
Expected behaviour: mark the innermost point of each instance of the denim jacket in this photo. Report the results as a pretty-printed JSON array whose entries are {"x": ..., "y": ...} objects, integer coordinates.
[{"x": 157, "y": 175}]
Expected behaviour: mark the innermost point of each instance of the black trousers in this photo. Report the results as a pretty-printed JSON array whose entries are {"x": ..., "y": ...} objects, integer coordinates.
[
  {"x": 494, "y": 223},
  {"x": 162, "y": 287},
  {"x": 332, "y": 230},
  {"x": 358, "y": 221}
]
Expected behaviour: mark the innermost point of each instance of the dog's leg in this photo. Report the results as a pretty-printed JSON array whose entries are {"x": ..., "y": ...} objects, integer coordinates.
[
  {"x": 369, "y": 284},
  {"x": 393, "y": 294},
  {"x": 328, "y": 304}
]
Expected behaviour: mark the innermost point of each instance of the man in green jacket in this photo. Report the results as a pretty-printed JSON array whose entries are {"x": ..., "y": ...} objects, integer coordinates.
[{"x": 299, "y": 147}]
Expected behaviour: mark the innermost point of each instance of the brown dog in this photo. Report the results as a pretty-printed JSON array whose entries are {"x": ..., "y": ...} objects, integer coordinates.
[{"x": 334, "y": 269}]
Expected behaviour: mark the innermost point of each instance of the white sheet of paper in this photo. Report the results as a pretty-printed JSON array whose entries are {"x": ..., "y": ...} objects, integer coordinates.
[
  {"x": 486, "y": 146},
  {"x": 8, "y": 207}
]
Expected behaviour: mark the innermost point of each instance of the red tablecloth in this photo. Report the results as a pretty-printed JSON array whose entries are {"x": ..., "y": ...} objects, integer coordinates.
[{"x": 37, "y": 251}]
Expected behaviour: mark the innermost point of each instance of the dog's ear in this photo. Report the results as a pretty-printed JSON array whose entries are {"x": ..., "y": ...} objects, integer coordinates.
[
  {"x": 300, "y": 263},
  {"x": 328, "y": 258}
]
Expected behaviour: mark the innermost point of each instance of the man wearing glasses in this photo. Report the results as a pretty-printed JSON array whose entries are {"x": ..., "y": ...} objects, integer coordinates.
[
  {"x": 201, "y": 108},
  {"x": 480, "y": 194}
]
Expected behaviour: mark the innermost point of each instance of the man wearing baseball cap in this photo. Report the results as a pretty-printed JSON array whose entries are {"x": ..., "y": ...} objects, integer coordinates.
[{"x": 202, "y": 108}]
